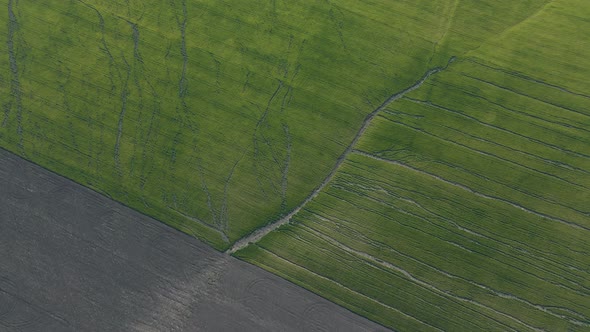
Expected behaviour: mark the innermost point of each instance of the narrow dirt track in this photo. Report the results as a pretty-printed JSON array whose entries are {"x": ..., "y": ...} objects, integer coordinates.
[{"x": 261, "y": 232}]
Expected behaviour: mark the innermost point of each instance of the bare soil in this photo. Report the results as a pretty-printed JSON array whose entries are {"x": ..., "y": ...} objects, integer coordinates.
[{"x": 74, "y": 260}]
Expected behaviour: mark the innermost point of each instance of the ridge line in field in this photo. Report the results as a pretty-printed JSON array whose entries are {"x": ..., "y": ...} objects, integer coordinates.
[{"x": 259, "y": 233}]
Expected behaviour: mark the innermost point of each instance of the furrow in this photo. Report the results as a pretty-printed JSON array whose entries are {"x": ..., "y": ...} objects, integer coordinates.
[
  {"x": 124, "y": 95},
  {"x": 375, "y": 261},
  {"x": 214, "y": 215},
  {"x": 539, "y": 254},
  {"x": 183, "y": 82},
  {"x": 135, "y": 36},
  {"x": 348, "y": 289},
  {"x": 585, "y": 213},
  {"x": 525, "y": 95},
  {"x": 247, "y": 81},
  {"x": 545, "y": 160},
  {"x": 337, "y": 21},
  {"x": 285, "y": 175},
  {"x": 458, "y": 185},
  {"x": 380, "y": 245},
  {"x": 139, "y": 141},
  {"x": 386, "y": 216},
  {"x": 533, "y": 116},
  {"x": 66, "y": 106},
  {"x": 534, "y": 140},
  {"x": 147, "y": 148},
  {"x": 450, "y": 13},
  {"x": 105, "y": 47},
  {"x": 193, "y": 219},
  {"x": 15, "y": 87},
  {"x": 401, "y": 210},
  {"x": 447, "y": 198},
  {"x": 257, "y": 135},
  {"x": 527, "y": 78},
  {"x": 223, "y": 214}
]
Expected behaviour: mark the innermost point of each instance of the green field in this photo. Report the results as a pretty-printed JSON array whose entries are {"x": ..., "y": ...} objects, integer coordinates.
[
  {"x": 214, "y": 118},
  {"x": 462, "y": 203},
  {"x": 464, "y": 207}
]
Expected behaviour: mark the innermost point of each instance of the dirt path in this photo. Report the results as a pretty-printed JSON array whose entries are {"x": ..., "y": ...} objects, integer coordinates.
[{"x": 261, "y": 232}]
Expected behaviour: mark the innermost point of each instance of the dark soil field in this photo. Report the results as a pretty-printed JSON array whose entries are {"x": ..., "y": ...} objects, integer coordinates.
[{"x": 73, "y": 260}]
